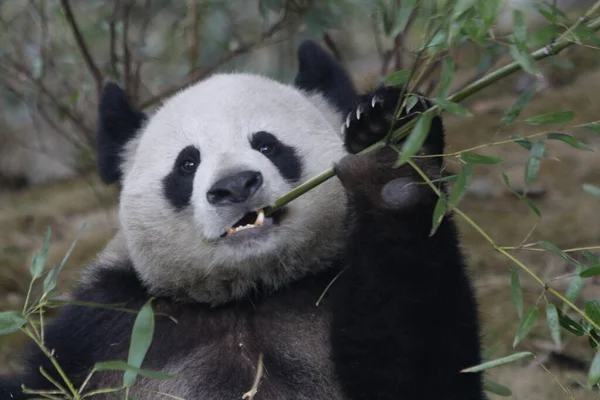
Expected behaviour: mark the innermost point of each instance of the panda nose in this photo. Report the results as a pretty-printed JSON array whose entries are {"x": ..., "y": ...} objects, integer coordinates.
[{"x": 235, "y": 188}]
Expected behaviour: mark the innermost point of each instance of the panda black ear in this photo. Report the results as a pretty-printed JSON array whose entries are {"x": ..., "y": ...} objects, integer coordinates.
[
  {"x": 118, "y": 122},
  {"x": 319, "y": 71}
]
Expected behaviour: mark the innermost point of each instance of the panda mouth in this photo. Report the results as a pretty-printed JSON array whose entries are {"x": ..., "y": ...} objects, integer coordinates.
[{"x": 253, "y": 220}]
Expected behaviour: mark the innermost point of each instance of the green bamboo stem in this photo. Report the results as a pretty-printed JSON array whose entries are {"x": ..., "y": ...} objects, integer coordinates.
[{"x": 462, "y": 94}]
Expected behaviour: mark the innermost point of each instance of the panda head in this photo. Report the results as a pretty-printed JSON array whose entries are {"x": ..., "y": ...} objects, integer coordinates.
[{"x": 197, "y": 174}]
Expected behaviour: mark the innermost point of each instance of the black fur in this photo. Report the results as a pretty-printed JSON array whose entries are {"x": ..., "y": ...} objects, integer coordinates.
[
  {"x": 178, "y": 185},
  {"x": 319, "y": 71},
  {"x": 403, "y": 316},
  {"x": 118, "y": 122},
  {"x": 284, "y": 157}
]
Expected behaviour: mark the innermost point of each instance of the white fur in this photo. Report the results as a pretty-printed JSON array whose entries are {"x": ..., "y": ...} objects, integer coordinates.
[{"x": 180, "y": 252}]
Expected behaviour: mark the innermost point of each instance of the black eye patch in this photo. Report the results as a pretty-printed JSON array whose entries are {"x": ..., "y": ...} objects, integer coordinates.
[
  {"x": 285, "y": 158},
  {"x": 179, "y": 184}
]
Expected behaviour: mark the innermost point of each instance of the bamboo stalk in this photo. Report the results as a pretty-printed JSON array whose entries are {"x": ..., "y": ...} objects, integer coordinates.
[{"x": 544, "y": 52}]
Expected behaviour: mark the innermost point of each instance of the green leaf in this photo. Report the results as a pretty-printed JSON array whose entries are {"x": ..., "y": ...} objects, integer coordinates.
[
  {"x": 516, "y": 295},
  {"x": 569, "y": 324},
  {"x": 574, "y": 288},
  {"x": 398, "y": 77},
  {"x": 39, "y": 260},
  {"x": 447, "y": 75},
  {"x": 527, "y": 323},
  {"x": 50, "y": 281},
  {"x": 591, "y": 189},
  {"x": 123, "y": 366},
  {"x": 411, "y": 102},
  {"x": 591, "y": 271},
  {"x": 570, "y": 140},
  {"x": 402, "y": 17},
  {"x": 520, "y": 197},
  {"x": 500, "y": 361},
  {"x": 533, "y": 162},
  {"x": 592, "y": 310},
  {"x": 141, "y": 338},
  {"x": 519, "y": 27},
  {"x": 594, "y": 372},
  {"x": 521, "y": 102},
  {"x": 452, "y": 107},
  {"x": 11, "y": 321},
  {"x": 522, "y": 56},
  {"x": 460, "y": 187},
  {"x": 417, "y": 137},
  {"x": 591, "y": 257},
  {"x": 438, "y": 214},
  {"x": 557, "y": 117},
  {"x": 526, "y": 144},
  {"x": 554, "y": 248},
  {"x": 474, "y": 158},
  {"x": 591, "y": 126},
  {"x": 553, "y": 323},
  {"x": 496, "y": 388}
]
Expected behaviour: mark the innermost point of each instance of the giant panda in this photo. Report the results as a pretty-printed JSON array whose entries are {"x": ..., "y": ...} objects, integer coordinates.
[{"x": 397, "y": 318}]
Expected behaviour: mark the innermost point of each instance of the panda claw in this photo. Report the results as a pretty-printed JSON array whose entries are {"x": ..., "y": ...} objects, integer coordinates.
[
  {"x": 348, "y": 120},
  {"x": 343, "y": 129},
  {"x": 358, "y": 112},
  {"x": 374, "y": 101}
]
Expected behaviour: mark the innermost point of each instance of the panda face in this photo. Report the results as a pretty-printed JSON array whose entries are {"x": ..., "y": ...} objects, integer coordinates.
[{"x": 203, "y": 168}]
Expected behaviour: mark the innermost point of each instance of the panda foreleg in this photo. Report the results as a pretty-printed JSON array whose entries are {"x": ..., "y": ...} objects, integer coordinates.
[{"x": 404, "y": 316}]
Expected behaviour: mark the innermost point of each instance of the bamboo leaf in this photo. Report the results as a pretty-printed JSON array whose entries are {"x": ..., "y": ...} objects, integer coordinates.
[
  {"x": 591, "y": 126},
  {"x": 398, "y": 77},
  {"x": 522, "y": 198},
  {"x": 526, "y": 325},
  {"x": 591, "y": 189},
  {"x": 500, "y": 361},
  {"x": 553, "y": 323},
  {"x": 570, "y": 140},
  {"x": 519, "y": 105},
  {"x": 574, "y": 288},
  {"x": 447, "y": 76},
  {"x": 438, "y": 214},
  {"x": 39, "y": 260},
  {"x": 592, "y": 310},
  {"x": 11, "y": 321},
  {"x": 591, "y": 257},
  {"x": 594, "y": 372},
  {"x": 496, "y": 388},
  {"x": 411, "y": 102},
  {"x": 402, "y": 17},
  {"x": 557, "y": 117},
  {"x": 50, "y": 281},
  {"x": 569, "y": 324},
  {"x": 474, "y": 158},
  {"x": 591, "y": 271},
  {"x": 460, "y": 187},
  {"x": 417, "y": 137},
  {"x": 522, "y": 56},
  {"x": 519, "y": 27},
  {"x": 123, "y": 366},
  {"x": 533, "y": 162},
  {"x": 516, "y": 294},
  {"x": 141, "y": 338},
  {"x": 452, "y": 107}
]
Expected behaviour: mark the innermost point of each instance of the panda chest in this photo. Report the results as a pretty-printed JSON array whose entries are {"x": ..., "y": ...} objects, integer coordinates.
[{"x": 221, "y": 353}]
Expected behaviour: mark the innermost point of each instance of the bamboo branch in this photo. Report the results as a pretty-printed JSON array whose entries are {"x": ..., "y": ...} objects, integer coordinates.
[
  {"x": 82, "y": 45},
  {"x": 113, "y": 40},
  {"x": 465, "y": 92},
  {"x": 137, "y": 78},
  {"x": 125, "y": 45}
]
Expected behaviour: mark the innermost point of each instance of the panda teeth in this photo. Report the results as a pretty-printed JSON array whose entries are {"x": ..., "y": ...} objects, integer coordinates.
[{"x": 260, "y": 221}]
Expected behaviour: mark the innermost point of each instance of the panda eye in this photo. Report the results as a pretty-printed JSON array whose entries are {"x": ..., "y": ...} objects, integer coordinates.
[
  {"x": 267, "y": 149},
  {"x": 188, "y": 166}
]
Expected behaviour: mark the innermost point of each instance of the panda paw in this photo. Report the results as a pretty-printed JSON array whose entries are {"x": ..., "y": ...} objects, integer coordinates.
[
  {"x": 371, "y": 119},
  {"x": 372, "y": 179}
]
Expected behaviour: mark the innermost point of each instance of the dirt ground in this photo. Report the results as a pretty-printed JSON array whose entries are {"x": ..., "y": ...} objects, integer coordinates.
[{"x": 570, "y": 219}]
